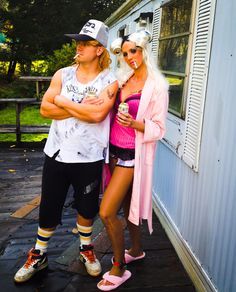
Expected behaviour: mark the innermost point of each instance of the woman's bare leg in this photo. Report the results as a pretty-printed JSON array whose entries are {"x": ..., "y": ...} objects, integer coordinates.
[{"x": 112, "y": 200}]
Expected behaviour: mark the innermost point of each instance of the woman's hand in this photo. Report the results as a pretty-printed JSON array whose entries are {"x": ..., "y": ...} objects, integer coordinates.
[
  {"x": 125, "y": 120},
  {"x": 93, "y": 100}
]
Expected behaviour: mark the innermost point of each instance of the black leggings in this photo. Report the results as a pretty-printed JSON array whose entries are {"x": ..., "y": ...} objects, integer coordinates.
[{"x": 57, "y": 178}]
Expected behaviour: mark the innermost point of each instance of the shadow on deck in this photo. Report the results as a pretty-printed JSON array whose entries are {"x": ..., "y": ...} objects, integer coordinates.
[{"x": 20, "y": 181}]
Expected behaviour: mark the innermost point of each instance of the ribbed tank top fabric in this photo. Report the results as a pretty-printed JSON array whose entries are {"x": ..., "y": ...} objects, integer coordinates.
[{"x": 124, "y": 137}]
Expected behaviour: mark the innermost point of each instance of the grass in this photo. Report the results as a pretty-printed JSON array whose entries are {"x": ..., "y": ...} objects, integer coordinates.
[
  {"x": 29, "y": 116},
  {"x": 24, "y": 137},
  {"x": 17, "y": 89}
]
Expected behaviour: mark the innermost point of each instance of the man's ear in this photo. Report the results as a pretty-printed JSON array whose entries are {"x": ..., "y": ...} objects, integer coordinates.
[{"x": 100, "y": 50}]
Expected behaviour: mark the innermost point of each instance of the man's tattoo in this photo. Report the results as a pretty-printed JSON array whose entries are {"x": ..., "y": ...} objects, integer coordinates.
[{"x": 110, "y": 94}]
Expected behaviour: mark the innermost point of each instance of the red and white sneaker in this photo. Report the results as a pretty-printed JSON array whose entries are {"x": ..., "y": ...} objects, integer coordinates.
[
  {"x": 88, "y": 257},
  {"x": 36, "y": 261}
]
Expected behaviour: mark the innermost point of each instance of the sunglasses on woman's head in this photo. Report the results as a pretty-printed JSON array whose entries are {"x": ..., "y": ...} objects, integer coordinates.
[{"x": 132, "y": 51}]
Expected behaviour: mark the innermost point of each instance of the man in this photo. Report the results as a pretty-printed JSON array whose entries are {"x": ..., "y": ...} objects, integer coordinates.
[{"x": 76, "y": 146}]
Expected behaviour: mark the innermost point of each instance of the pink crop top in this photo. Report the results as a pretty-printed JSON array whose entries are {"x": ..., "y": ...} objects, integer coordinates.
[{"x": 124, "y": 137}]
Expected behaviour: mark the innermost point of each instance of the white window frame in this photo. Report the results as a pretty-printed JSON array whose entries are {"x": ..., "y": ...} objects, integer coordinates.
[
  {"x": 144, "y": 22},
  {"x": 183, "y": 137},
  {"x": 125, "y": 28}
]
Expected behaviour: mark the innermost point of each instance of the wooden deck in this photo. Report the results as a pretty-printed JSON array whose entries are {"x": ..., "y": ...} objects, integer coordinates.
[{"x": 20, "y": 181}]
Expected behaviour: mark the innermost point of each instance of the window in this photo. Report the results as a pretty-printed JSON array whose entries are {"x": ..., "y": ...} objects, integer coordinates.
[
  {"x": 144, "y": 21},
  {"x": 181, "y": 44},
  {"x": 121, "y": 32},
  {"x": 124, "y": 30},
  {"x": 173, "y": 53}
]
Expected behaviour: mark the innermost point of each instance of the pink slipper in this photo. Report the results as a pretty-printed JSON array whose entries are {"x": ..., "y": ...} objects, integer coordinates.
[
  {"x": 129, "y": 258},
  {"x": 115, "y": 280}
]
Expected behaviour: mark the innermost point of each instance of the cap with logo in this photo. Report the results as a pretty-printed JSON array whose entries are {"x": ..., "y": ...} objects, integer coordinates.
[{"x": 92, "y": 30}]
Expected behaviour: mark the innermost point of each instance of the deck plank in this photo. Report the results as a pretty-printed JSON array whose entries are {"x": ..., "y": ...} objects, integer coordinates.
[
  {"x": 26, "y": 209},
  {"x": 160, "y": 271}
]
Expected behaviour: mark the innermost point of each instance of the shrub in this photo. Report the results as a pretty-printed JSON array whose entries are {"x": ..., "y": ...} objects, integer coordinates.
[
  {"x": 61, "y": 58},
  {"x": 17, "y": 89}
]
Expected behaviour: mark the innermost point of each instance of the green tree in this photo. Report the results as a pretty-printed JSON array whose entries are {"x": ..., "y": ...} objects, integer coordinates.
[
  {"x": 35, "y": 28},
  {"x": 3, "y": 4},
  {"x": 61, "y": 58}
]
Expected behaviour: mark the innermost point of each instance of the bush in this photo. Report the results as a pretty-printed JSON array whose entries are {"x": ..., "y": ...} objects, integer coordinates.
[
  {"x": 17, "y": 89},
  {"x": 3, "y": 68},
  {"x": 61, "y": 58}
]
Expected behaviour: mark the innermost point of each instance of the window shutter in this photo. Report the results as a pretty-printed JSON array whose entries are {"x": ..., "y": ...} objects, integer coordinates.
[
  {"x": 198, "y": 82},
  {"x": 156, "y": 31}
]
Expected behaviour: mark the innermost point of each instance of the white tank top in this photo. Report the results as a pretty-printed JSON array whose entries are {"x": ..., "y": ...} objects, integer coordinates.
[{"x": 79, "y": 141}]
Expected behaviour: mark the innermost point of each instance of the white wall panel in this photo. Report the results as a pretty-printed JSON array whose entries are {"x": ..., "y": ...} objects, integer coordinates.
[{"x": 203, "y": 205}]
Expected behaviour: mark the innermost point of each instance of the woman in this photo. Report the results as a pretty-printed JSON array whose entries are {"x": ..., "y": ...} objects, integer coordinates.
[{"x": 133, "y": 137}]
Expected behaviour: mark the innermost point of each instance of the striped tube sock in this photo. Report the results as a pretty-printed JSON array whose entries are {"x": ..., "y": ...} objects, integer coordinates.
[
  {"x": 85, "y": 234},
  {"x": 42, "y": 239}
]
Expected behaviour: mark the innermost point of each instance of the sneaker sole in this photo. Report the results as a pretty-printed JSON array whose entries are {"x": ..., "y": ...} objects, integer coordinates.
[
  {"x": 43, "y": 266},
  {"x": 93, "y": 274}
]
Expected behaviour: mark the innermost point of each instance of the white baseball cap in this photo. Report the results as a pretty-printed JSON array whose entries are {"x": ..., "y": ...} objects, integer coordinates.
[{"x": 92, "y": 30}]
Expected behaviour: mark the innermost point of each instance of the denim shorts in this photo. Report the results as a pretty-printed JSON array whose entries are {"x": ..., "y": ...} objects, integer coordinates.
[{"x": 125, "y": 157}]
